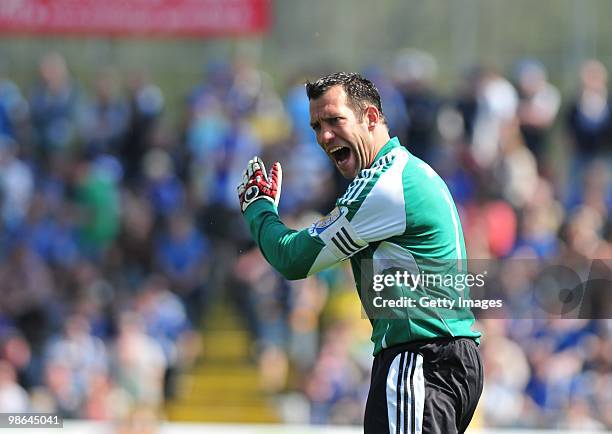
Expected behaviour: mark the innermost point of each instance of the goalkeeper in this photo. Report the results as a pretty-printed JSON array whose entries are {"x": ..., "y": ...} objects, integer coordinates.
[{"x": 427, "y": 373}]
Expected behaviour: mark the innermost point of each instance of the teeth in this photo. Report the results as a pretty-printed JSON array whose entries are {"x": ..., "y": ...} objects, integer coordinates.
[{"x": 337, "y": 148}]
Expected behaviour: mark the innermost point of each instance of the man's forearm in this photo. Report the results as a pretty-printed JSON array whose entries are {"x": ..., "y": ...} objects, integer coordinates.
[{"x": 290, "y": 252}]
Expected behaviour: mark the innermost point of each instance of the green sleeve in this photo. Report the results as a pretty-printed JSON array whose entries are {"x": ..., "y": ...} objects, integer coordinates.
[{"x": 290, "y": 252}]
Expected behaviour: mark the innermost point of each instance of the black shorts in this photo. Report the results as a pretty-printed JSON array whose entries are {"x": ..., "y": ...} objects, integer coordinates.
[{"x": 425, "y": 387}]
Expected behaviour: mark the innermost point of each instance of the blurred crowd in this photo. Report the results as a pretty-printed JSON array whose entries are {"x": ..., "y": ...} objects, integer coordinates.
[{"x": 119, "y": 229}]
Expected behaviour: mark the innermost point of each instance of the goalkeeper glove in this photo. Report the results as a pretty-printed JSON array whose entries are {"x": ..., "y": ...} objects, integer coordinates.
[{"x": 256, "y": 184}]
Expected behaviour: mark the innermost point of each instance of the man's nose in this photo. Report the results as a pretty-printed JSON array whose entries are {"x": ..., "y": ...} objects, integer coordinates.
[{"x": 327, "y": 136}]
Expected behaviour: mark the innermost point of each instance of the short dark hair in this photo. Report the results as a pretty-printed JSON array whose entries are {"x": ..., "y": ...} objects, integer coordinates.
[{"x": 359, "y": 90}]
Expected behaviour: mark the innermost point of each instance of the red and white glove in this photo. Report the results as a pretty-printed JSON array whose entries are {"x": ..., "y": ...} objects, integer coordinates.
[{"x": 256, "y": 184}]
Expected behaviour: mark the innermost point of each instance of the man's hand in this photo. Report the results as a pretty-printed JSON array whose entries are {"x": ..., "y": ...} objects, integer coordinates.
[{"x": 256, "y": 184}]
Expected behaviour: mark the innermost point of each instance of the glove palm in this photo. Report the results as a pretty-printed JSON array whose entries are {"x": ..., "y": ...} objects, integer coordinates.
[{"x": 256, "y": 184}]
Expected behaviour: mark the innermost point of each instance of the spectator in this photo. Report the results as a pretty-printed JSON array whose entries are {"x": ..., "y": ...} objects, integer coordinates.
[
  {"x": 165, "y": 319},
  {"x": 497, "y": 103},
  {"x": 16, "y": 185},
  {"x": 414, "y": 73},
  {"x": 54, "y": 107},
  {"x": 590, "y": 119},
  {"x": 13, "y": 397},
  {"x": 13, "y": 109},
  {"x": 146, "y": 103},
  {"x": 97, "y": 197},
  {"x": 80, "y": 355},
  {"x": 52, "y": 232},
  {"x": 539, "y": 103},
  {"x": 27, "y": 293},
  {"x": 503, "y": 392},
  {"x": 136, "y": 237},
  {"x": 182, "y": 253},
  {"x": 139, "y": 362},
  {"x": 104, "y": 120},
  {"x": 164, "y": 189}
]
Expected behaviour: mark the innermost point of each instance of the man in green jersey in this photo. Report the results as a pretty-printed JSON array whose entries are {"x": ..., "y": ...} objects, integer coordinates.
[{"x": 397, "y": 214}]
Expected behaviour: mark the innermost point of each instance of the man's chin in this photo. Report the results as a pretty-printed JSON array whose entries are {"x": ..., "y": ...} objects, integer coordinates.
[{"x": 348, "y": 172}]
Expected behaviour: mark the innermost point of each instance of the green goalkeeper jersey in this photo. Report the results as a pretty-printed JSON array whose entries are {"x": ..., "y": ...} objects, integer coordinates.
[{"x": 396, "y": 215}]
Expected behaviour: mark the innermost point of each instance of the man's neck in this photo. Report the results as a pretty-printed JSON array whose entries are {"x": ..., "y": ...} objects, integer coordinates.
[{"x": 380, "y": 140}]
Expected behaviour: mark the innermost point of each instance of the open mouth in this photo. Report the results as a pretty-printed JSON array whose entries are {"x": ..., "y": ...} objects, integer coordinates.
[{"x": 340, "y": 153}]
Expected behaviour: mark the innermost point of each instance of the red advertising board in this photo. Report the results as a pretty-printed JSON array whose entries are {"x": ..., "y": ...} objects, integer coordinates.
[{"x": 136, "y": 17}]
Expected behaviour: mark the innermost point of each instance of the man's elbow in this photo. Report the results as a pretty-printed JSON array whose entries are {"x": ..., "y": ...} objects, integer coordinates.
[
  {"x": 293, "y": 271},
  {"x": 293, "y": 274}
]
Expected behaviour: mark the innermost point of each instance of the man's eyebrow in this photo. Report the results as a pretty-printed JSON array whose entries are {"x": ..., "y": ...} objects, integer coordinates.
[
  {"x": 331, "y": 117},
  {"x": 315, "y": 124}
]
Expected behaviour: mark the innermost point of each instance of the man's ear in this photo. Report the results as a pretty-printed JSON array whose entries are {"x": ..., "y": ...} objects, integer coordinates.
[{"x": 372, "y": 116}]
